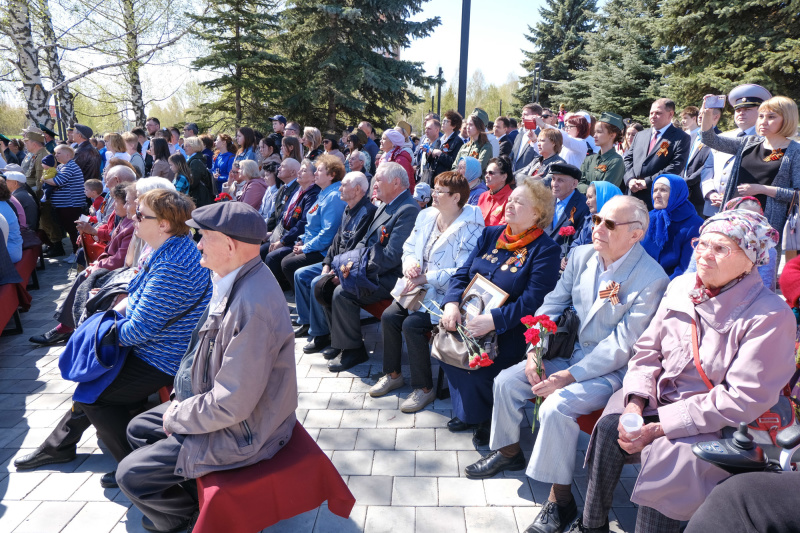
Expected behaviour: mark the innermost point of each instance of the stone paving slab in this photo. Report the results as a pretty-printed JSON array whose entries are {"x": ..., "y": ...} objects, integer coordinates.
[{"x": 406, "y": 470}]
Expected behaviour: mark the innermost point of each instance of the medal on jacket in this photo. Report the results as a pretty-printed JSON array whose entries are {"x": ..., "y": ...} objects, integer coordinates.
[
  {"x": 516, "y": 261},
  {"x": 384, "y": 234}
]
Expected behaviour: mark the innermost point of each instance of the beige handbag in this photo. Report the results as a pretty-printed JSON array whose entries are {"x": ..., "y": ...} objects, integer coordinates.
[
  {"x": 450, "y": 347},
  {"x": 411, "y": 300}
]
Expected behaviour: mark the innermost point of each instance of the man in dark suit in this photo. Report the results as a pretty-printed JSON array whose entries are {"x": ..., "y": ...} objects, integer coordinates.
[
  {"x": 287, "y": 174},
  {"x": 692, "y": 174},
  {"x": 86, "y": 156},
  {"x": 390, "y": 228},
  {"x": 501, "y": 128},
  {"x": 523, "y": 151},
  {"x": 660, "y": 149},
  {"x": 571, "y": 208}
]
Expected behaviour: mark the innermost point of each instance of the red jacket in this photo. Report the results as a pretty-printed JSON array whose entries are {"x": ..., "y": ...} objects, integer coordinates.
[{"x": 402, "y": 158}]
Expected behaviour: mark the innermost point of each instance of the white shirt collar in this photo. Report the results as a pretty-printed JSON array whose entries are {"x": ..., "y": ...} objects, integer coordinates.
[
  {"x": 605, "y": 276},
  {"x": 222, "y": 288}
]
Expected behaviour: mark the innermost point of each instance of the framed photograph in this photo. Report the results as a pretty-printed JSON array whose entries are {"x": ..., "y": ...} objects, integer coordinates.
[{"x": 480, "y": 297}]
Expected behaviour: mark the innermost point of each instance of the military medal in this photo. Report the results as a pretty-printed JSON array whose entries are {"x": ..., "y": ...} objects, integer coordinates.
[{"x": 513, "y": 270}]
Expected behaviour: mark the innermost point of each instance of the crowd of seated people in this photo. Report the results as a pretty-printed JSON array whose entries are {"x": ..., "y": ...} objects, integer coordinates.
[{"x": 557, "y": 220}]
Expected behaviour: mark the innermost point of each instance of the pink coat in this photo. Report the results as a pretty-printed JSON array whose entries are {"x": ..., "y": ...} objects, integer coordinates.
[
  {"x": 253, "y": 192},
  {"x": 746, "y": 350}
]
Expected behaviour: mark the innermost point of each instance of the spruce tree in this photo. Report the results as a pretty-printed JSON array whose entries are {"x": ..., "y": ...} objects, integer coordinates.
[
  {"x": 240, "y": 36},
  {"x": 342, "y": 62},
  {"x": 723, "y": 43},
  {"x": 558, "y": 40},
  {"x": 622, "y": 62}
]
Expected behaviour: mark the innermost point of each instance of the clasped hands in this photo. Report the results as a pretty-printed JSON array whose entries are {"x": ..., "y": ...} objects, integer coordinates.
[{"x": 414, "y": 278}]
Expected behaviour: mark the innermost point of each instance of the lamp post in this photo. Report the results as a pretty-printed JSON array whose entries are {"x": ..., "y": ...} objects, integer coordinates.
[
  {"x": 462, "y": 65},
  {"x": 439, "y": 95}
]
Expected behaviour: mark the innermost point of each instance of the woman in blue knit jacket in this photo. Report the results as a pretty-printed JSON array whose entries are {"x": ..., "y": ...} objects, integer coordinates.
[{"x": 165, "y": 302}]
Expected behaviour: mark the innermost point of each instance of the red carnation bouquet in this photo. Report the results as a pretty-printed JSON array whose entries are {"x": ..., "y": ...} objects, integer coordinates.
[
  {"x": 223, "y": 197},
  {"x": 567, "y": 232},
  {"x": 538, "y": 329}
]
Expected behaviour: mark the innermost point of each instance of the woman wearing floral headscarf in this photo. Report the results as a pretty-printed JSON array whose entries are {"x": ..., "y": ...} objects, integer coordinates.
[
  {"x": 688, "y": 391},
  {"x": 673, "y": 225},
  {"x": 392, "y": 142}
]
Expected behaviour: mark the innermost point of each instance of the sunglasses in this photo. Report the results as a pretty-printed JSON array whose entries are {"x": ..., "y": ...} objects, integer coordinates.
[
  {"x": 610, "y": 224},
  {"x": 494, "y": 172},
  {"x": 546, "y": 116},
  {"x": 141, "y": 216}
]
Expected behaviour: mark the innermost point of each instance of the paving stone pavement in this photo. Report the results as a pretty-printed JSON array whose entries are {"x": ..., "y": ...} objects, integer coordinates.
[{"x": 405, "y": 470}]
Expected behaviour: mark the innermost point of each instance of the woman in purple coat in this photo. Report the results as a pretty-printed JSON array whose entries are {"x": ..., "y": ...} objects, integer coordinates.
[{"x": 744, "y": 358}]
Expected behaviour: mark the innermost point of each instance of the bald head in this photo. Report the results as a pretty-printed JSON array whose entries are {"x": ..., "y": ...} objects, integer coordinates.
[{"x": 288, "y": 170}]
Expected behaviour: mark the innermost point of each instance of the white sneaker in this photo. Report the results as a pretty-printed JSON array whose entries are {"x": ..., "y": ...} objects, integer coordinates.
[
  {"x": 386, "y": 384},
  {"x": 417, "y": 400},
  {"x": 70, "y": 259}
]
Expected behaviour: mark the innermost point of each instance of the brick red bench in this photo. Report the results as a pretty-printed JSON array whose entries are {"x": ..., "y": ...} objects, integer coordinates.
[
  {"x": 26, "y": 267},
  {"x": 299, "y": 478},
  {"x": 9, "y": 308}
]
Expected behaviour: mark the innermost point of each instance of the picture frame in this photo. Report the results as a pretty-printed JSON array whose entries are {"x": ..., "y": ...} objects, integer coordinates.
[{"x": 480, "y": 297}]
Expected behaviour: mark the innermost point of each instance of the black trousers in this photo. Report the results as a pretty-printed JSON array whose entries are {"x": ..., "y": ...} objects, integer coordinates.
[
  {"x": 147, "y": 475},
  {"x": 397, "y": 322},
  {"x": 111, "y": 412},
  {"x": 762, "y": 502},
  {"x": 64, "y": 313},
  {"x": 294, "y": 262},
  {"x": 605, "y": 468},
  {"x": 344, "y": 316},
  {"x": 273, "y": 260},
  {"x": 66, "y": 219}
]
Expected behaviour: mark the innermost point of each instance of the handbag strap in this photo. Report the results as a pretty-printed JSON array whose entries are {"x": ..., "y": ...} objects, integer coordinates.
[
  {"x": 696, "y": 354},
  {"x": 192, "y": 308}
]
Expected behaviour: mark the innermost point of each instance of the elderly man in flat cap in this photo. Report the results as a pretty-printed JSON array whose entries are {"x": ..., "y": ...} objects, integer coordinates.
[
  {"x": 571, "y": 208},
  {"x": 86, "y": 156},
  {"x": 236, "y": 388}
]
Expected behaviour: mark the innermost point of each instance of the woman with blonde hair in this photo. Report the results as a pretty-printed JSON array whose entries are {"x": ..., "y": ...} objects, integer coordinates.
[
  {"x": 131, "y": 141},
  {"x": 767, "y": 164},
  {"x": 312, "y": 140},
  {"x": 115, "y": 147}
]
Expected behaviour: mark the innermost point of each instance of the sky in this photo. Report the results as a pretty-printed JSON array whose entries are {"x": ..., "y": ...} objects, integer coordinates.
[{"x": 497, "y": 35}]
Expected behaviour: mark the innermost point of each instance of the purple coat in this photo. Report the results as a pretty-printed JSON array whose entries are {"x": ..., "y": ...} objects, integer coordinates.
[{"x": 746, "y": 350}]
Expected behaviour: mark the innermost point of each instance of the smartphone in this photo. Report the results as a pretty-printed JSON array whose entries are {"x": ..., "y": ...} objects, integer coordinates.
[
  {"x": 529, "y": 124},
  {"x": 83, "y": 218},
  {"x": 712, "y": 101}
]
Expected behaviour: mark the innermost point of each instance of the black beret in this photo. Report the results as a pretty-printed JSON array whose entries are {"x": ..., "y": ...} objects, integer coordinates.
[{"x": 566, "y": 169}]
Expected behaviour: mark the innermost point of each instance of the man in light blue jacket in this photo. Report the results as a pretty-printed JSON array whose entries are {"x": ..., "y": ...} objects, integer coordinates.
[{"x": 615, "y": 288}]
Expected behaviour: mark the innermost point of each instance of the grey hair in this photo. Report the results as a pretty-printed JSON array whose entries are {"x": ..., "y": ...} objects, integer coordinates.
[
  {"x": 247, "y": 167},
  {"x": 309, "y": 163},
  {"x": 635, "y": 207},
  {"x": 358, "y": 179},
  {"x": 152, "y": 183},
  {"x": 394, "y": 171},
  {"x": 359, "y": 155}
]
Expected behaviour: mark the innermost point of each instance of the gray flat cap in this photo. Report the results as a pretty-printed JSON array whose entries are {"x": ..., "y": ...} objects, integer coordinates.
[
  {"x": 85, "y": 131},
  {"x": 237, "y": 220}
]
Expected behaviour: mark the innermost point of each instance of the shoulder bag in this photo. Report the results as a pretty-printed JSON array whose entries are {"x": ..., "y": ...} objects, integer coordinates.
[
  {"x": 451, "y": 348},
  {"x": 791, "y": 239},
  {"x": 562, "y": 342}
]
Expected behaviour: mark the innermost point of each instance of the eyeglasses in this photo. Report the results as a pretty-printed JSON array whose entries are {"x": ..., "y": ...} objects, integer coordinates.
[
  {"x": 141, "y": 216},
  {"x": 547, "y": 116},
  {"x": 494, "y": 172},
  {"x": 445, "y": 121},
  {"x": 437, "y": 192},
  {"x": 570, "y": 126},
  {"x": 720, "y": 251},
  {"x": 610, "y": 224}
]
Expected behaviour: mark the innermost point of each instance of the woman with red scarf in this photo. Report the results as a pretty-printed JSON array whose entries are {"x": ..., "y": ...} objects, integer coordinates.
[
  {"x": 519, "y": 258},
  {"x": 392, "y": 142}
]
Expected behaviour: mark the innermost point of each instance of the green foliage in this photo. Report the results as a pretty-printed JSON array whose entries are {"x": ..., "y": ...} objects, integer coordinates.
[
  {"x": 13, "y": 118},
  {"x": 558, "y": 41},
  {"x": 622, "y": 62},
  {"x": 723, "y": 43},
  {"x": 342, "y": 64},
  {"x": 240, "y": 35}
]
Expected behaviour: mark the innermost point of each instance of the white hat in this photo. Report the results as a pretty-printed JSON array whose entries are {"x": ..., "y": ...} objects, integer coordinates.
[
  {"x": 15, "y": 176},
  {"x": 748, "y": 95}
]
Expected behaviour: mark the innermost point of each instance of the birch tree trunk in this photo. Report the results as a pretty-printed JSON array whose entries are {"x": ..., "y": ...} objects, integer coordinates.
[
  {"x": 27, "y": 62},
  {"x": 132, "y": 49},
  {"x": 65, "y": 99}
]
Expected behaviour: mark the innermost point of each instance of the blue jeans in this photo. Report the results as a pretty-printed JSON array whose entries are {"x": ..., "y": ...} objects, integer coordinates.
[{"x": 308, "y": 309}]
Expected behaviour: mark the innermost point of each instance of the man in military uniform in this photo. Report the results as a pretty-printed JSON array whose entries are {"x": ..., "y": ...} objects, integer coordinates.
[
  {"x": 50, "y": 231},
  {"x": 745, "y": 100},
  {"x": 49, "y": 138}
]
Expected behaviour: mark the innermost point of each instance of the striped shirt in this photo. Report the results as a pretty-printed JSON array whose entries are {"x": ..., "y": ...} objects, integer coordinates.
[
  {"x": 170, "y": 283},
  {"x": 69, "y": 180}
]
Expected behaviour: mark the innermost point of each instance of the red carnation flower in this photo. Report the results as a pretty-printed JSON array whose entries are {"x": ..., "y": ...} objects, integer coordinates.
[
  {"x": 566, "y": 231},
  {"x": 549, "y": 325},
  {"x": 528, "y": 321},
  {"x": 532, "y": 336},
  {"x": 485, "y": 361}
]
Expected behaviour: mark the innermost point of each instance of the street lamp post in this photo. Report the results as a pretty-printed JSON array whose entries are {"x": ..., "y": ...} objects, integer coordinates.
[
  {"x": 439, "y": 96},
  {"x": 462, "y": 66}
]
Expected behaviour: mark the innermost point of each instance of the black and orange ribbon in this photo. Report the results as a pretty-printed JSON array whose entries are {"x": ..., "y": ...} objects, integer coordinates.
[{"x": 611, "y": 293}]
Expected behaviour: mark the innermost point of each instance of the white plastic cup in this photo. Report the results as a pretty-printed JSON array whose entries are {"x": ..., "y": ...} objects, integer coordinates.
[{"x": 632, "y": 423}]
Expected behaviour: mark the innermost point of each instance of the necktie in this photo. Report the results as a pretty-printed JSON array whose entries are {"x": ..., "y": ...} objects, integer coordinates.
[
  {"x": 741, "y": 134},
  {"x": 653, "y": 141}
]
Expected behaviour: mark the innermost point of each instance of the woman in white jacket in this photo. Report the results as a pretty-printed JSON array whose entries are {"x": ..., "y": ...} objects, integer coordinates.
[{"x": 441, "y": 241}]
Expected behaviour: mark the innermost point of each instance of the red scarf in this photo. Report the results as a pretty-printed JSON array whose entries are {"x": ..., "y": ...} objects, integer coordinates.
[{"x": 510, "y": 242}]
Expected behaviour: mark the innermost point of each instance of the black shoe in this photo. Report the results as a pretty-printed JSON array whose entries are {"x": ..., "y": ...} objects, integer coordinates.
[
  {"x": 553, "y": 518},
  {"x": 56, "y": 250},
  {"x": 455, "y": 425},
  {"x": 331, "y": 353},
  {"x": 317, "y": 344},
  {"x": 302, "y": 331},
  {"x": 482, "y": 433},
  {"x": 150, "y": 526},
  {"x": 51, "y": 337},
  {"x": 493, "y": 464},
  {"x": 39, "y": 458},
  {"x": 348, "y": 359},
  {"x": 295, "y": 323},
  {"x": 109, "y": 480},
  {"x": 578, "y": 527}
]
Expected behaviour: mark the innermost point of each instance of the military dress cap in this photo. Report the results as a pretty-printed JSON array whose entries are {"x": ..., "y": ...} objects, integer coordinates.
[
  {"x": 613, "y": 119},
  {"x": 47, "y": 130},
  {"x": 34, "y": 134},
  {"x": 4, "y": 138},
  {"x": 748, "y": 95},
  {"x": 279, "y": 118},
  {"x": 566, "y": 169},
  {"x": 481, "y": 115},
  {"x": 406, "y": 127},
  {"x": 85, "y": 131},
  {"x": 237, "y": 220}
]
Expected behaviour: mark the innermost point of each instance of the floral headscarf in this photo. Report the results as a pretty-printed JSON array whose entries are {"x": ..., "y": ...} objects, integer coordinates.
[
  {"x": 751, "y": 231},
  {"x": 736, "y": 202}
]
